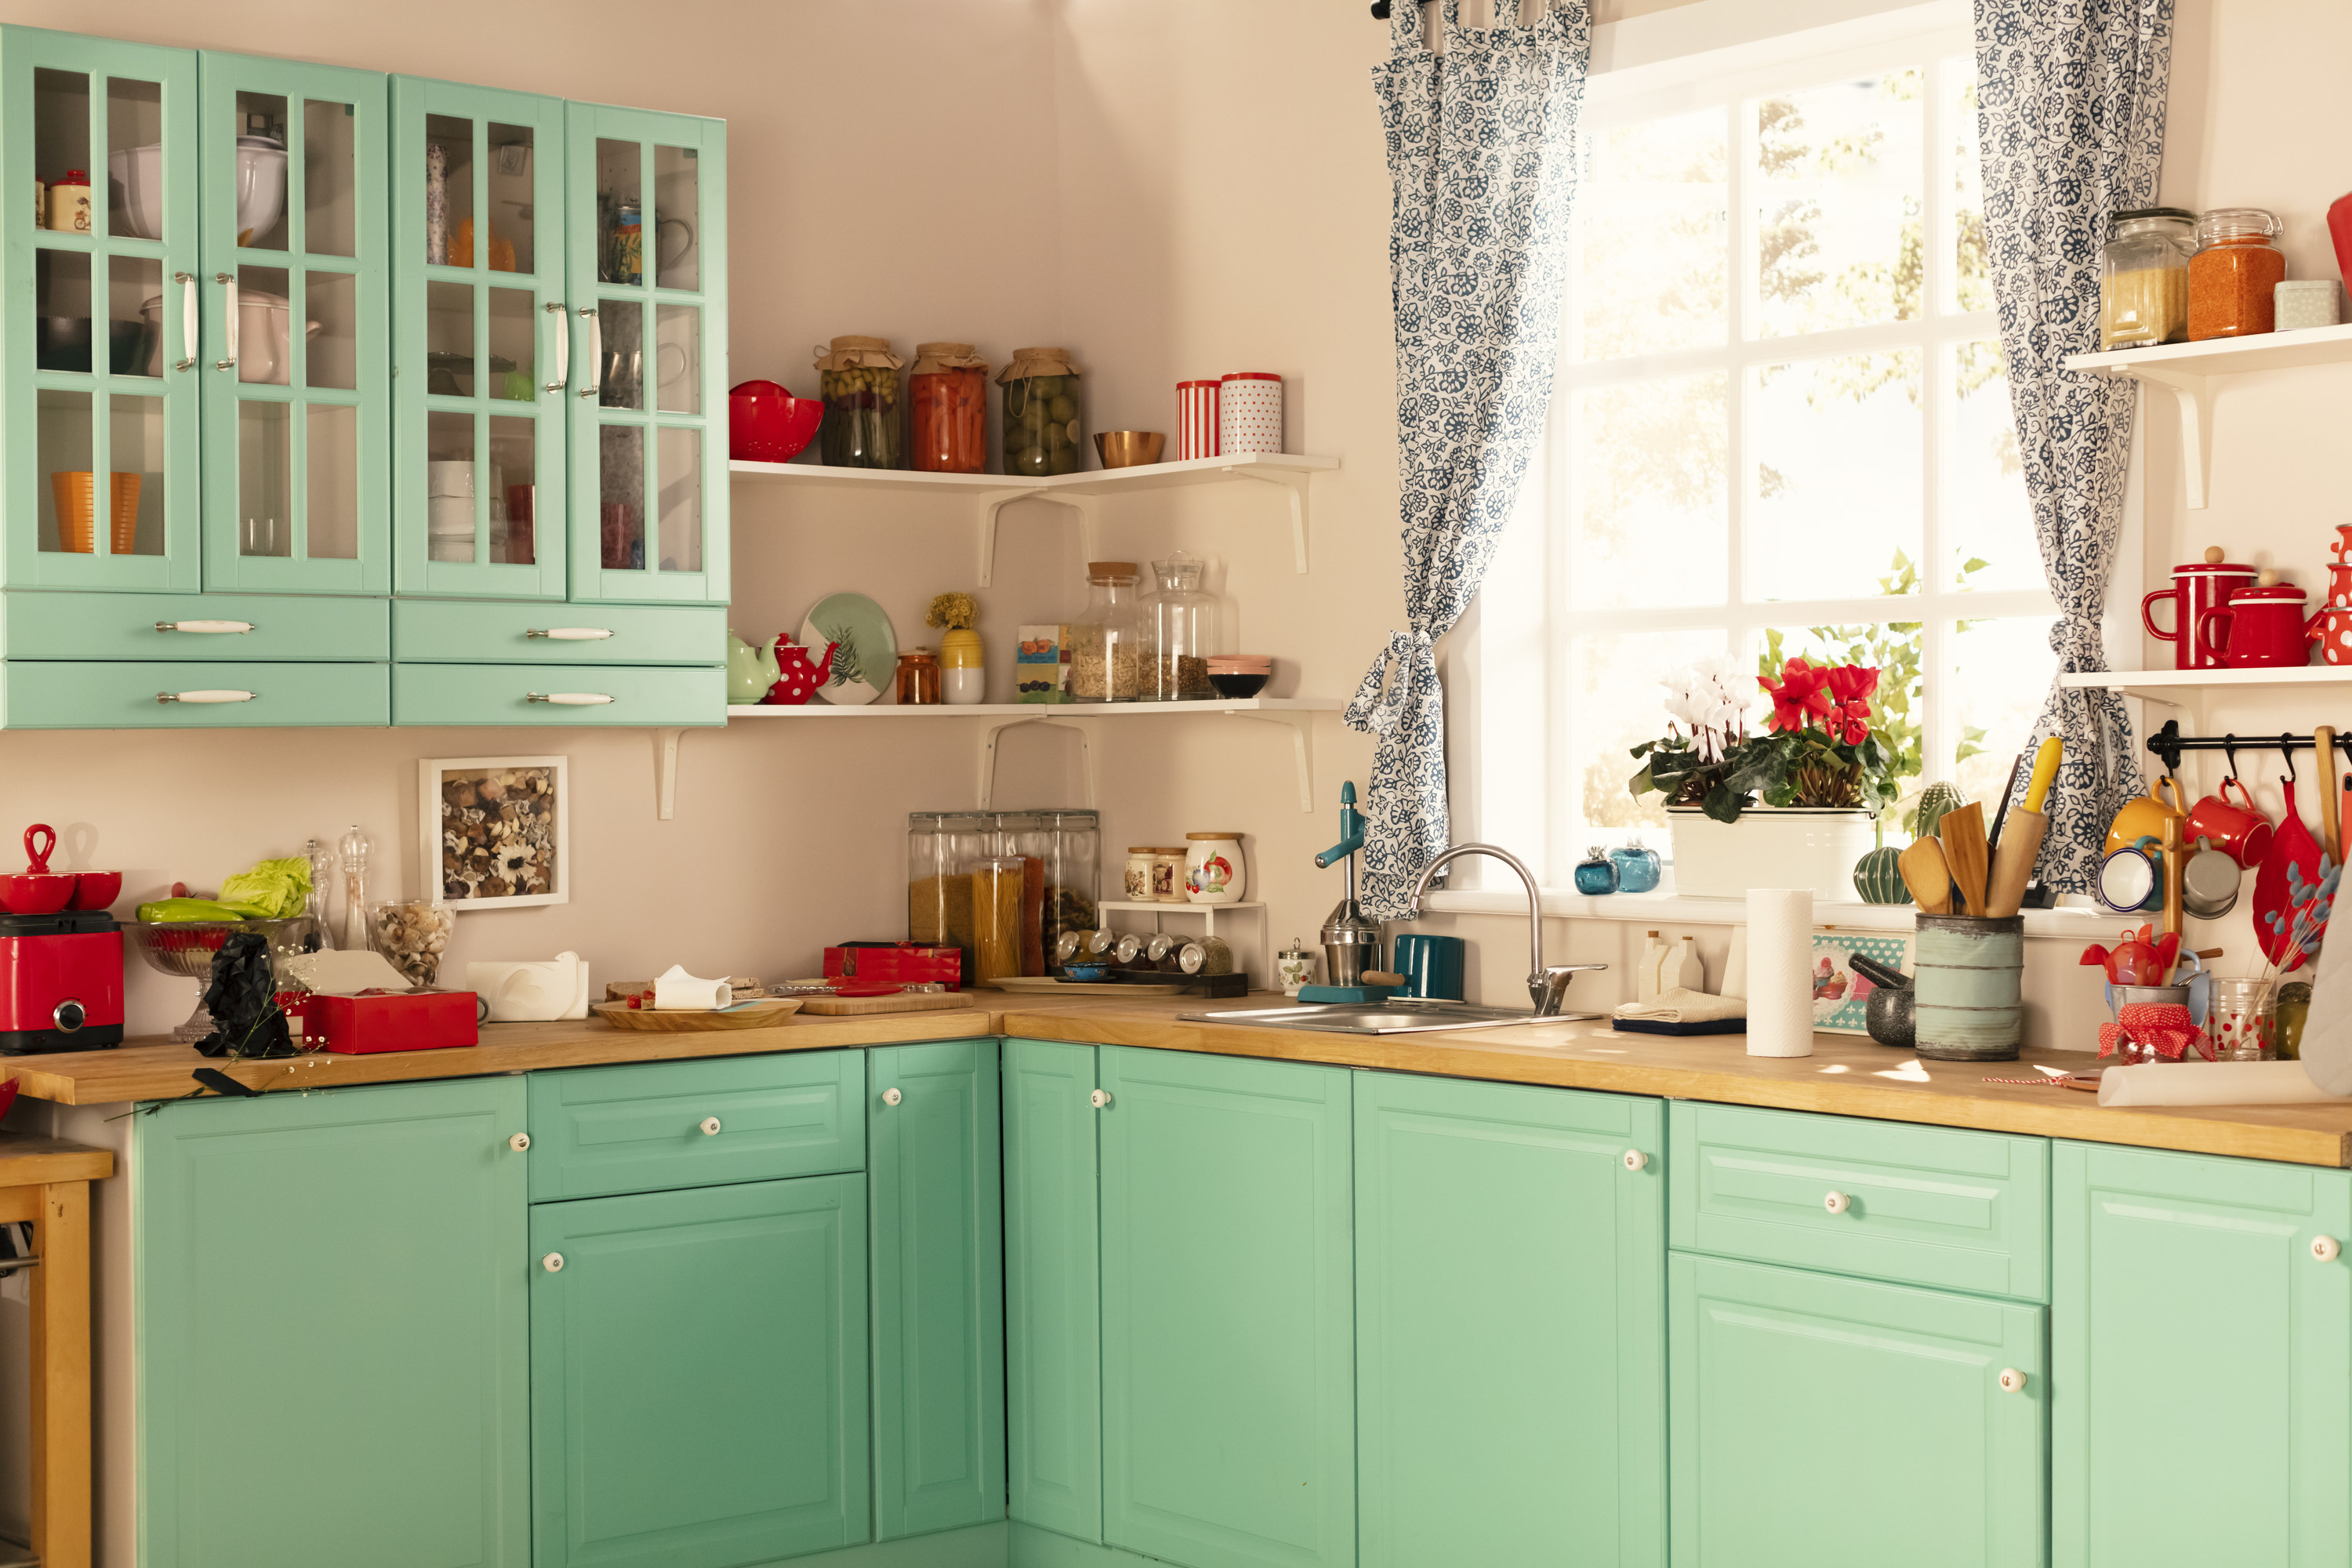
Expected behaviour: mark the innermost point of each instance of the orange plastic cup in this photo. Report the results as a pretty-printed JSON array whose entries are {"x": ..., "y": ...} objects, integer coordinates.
[{"x": 77, "y": 521}]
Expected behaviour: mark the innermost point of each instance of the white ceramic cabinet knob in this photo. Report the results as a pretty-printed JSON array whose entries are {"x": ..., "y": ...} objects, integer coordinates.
[
  {"x": 1099, "y": 1100},
  {"x": 891, "y": 1097},
  {"x": 553, "y": 1263},
  {"x": 2326, "y": 1248},
  {"x": 710, "y": 1127},
  {"x": 1635, "y": 1160},
  {"x": 2011, "y": 1380},
  {"x": 518, "y": 1143},
  {"x": 1837, "y": 1202}
]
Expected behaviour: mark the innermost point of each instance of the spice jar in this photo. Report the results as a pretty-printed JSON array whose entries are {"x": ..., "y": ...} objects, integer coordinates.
[
  {"x": 1163, "y": 950},
  {"x": 947, "y": 399},
  {"x": 1183, "y": 617},
  {"x": 2144, "y": 277},
  {"x": 1129, "y": 954},
  {"x": 1105, "y": 647},
  {"x": 1210, "y": 956},
  {"x": 919, "y": 678},
  {"x": 2232, "y": 275},
  {"x": 1139, "y": 873},
  {"x": 1043, "y": 432},
  {"x": 1214, "y": 872},
  {"x": 862, "y": 429}
]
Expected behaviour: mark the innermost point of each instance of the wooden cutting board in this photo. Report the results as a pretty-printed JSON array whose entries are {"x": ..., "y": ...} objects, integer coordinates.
[
  {"x": 751, "y": 1015},
  {"x": 905, "y": 1002}
]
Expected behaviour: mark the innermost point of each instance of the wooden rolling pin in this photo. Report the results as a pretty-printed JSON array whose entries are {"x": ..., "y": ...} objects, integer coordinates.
[
  {"x": 2020, "y": 836},
  {"x": 1963, "y": 833},
  {"x": 2175, "y": 859},
  {"x": 2331, "y": 827}
]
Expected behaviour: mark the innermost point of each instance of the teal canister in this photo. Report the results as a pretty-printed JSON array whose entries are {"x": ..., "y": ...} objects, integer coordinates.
[
  {"x": 1967, "y": 974},
  {"x": 1431, "y": 965}
]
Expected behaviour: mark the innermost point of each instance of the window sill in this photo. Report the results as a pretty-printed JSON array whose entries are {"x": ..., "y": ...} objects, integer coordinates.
[{"x": 1667, "y": 907}]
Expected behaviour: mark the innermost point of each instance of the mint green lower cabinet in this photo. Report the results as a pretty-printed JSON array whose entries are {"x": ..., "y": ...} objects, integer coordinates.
[
  {"x": 332, "y": 1289},
  {"x": 1228, "y": 1340},
  {"x": 1821, "y": 1422},
  {"x": 95, "y": 695},
  {"x": 2201, "y": 1361},
  {"x": 1053, "y": 1287},
  {"x": 568, "y": 695},
  {"x": 1510, "y": 1325},
  {"x": 697, "y": 1375},
  {"x": 937, "y": 1246}
]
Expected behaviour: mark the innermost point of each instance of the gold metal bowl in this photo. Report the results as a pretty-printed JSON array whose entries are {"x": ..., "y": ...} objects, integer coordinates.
[{"x": 1128, "y": 448}]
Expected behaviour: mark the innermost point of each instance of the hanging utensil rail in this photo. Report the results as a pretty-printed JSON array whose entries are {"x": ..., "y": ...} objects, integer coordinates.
[{"x": 2169, "y": 743}]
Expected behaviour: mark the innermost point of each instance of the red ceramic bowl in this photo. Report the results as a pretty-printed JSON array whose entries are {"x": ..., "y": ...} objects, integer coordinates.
[
  {"x": 96, "y": 891},
  {"x": 37, "y": 892},
  {"x": 766, "y": 424}
]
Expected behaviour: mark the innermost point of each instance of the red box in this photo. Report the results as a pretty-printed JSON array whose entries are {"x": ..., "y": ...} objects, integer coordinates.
[
  {"x": 895, "y": 963},
  {"x": 392, "y": 1021}
]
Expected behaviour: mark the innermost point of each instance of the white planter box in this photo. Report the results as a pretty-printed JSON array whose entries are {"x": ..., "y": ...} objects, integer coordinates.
[{"x": 1769, "y": 846}]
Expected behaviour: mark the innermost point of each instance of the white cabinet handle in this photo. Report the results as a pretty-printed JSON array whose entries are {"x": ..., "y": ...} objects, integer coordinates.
[
  {"x": 1837, "y": 1202},
  {"x": 595, "y": 353},
  {"x": 2325, "y": 1248},
  {"x": 1099, "y": 1100},
  {"x": 201, "y": 697},
  {"x": 568, "y": 698},
  {"x": 553, "y": 1263},
  {"x": 188, "y": 310},
  {"x": 710, "y": 1127},
  {"x": 563, "y": 346},
  {"x": 1635, "y": 1160},
  {"x": 891, "y": 1097},
  {"x": 229, "y": 322},
  {"x": 518, "y": 1143},
  {"x": 2011, "y": 1380},
  {"x": 567, "y": 634},
  {"x": 208, "y": 628}
]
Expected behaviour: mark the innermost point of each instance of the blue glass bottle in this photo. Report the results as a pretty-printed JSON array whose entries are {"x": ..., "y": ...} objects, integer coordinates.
[
  {"x": 1637, "y": 867},
  {"x": 1596, "y": 873}
]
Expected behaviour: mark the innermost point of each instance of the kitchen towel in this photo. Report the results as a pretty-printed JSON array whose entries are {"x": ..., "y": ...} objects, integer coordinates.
[
  {"x": 675, "y": 991},
  {"x": 1684, "y": 1006},
  {"x": 1779, "y": 971},
  {"x": 2212, "y": 1083}
]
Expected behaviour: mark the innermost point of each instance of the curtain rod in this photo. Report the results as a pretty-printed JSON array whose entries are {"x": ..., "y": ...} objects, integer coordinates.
[{"x": 2169, "y": 743}]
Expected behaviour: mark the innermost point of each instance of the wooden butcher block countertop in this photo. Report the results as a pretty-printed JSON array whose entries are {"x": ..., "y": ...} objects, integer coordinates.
[{"x": 1845, "y": 1076}]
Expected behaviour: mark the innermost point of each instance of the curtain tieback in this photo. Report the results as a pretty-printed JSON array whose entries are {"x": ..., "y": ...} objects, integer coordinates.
[
  {"x": 1398, "y": 671},
  {"x": 2075, "y": 640}
]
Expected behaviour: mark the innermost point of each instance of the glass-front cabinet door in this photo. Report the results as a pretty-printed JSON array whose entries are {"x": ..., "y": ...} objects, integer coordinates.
[
  {"x": 98, "y": 353},
  {"x": 480, "y": 340},
  {"x": 296, "y": 357},
  {"x": 647, "y": 253}
]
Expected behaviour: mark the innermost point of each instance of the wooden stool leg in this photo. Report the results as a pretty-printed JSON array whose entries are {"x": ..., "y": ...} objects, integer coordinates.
[{"x": 60, "y": 1383}]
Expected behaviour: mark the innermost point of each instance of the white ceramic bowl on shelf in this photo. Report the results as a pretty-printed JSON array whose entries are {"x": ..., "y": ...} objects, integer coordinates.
[
  {"x": 260, "y": 187},
  {"x": 136, "y": 174}
]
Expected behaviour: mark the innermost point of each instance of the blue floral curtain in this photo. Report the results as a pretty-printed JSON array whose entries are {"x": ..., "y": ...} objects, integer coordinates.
[
  {"x": 1482, "y": 152},
  {"x": 2070, "y": 101}
]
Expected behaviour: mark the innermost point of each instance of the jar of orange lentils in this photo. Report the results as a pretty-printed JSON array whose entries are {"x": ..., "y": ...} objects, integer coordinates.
[{"x": 2232, "y": 275}]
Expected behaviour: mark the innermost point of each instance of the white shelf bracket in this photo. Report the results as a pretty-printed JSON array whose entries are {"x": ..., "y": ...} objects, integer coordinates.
[
  {"x": 1301, "y": 726},
  {"x": 1296, "y": 483},
  {"x": 1089, "y": 520},
  {"x": 988, "y": 739},
  {"x": 666, "y": 773},
  {"x": 991, "y": 503},
  {"x": 2194, "y": 396}
]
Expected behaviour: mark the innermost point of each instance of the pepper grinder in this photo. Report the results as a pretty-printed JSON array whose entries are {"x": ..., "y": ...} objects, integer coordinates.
[
  {"x": 353, "y": 849},
  {"x": 314, "y": 908}
]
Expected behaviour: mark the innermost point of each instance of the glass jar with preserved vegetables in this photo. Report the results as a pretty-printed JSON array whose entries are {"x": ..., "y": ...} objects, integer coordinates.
[
  {"x": 2144, "y": 277},
  {"x": 863, "y": 426},
  {"x": 1106, "y": 643},
  {"x": 2233, "y": 274},
  {"x": 947, "y": 403},
  {"x": 1043, "y": 431},
  {"x": 1183, "y": 617}
]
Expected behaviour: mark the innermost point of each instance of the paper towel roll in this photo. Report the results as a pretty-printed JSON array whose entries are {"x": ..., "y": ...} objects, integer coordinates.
[
  {"x": 1779, "y": 971},
  {"x": 2212, "y": 1083},
  {"x": 675, "y": 991}
]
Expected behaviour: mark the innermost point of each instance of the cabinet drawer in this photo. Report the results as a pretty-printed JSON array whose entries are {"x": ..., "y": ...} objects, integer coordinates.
[
  {"x": 438, "y": 631},
  {"x": 504, "y": 694},
  {"x": 147, "y": 626},
  {"x": 1925, "y": 1205},
  {"x": 44, "y": 694},
  {"x": 599, "y": 1130}
]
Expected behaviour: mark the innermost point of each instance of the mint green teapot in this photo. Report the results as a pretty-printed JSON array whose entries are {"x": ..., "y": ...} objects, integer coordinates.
[{"x": 750, "y": 672}]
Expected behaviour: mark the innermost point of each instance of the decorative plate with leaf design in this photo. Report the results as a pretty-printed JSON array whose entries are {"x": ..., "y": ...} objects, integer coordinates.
[{"x": 864, "y": 647}]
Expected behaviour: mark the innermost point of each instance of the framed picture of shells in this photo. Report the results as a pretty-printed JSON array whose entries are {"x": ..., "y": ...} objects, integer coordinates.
[{"x": 496, "y": 831}]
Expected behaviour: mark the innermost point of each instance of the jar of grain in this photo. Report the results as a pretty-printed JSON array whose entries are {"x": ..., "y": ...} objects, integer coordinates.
[
  {"x": 1106, "y": 644},
  {"x": 1183, "y": 616},
  {"x": 2232, "y": 275},
  {"x": 2144, "y": 277}
]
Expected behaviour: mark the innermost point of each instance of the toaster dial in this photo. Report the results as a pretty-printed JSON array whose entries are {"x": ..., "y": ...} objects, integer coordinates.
[{"x": 71, "y": 1016}]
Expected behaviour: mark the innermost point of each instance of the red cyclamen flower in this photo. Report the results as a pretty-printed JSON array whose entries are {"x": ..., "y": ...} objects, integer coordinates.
[{"x": 1801, "y": 696}]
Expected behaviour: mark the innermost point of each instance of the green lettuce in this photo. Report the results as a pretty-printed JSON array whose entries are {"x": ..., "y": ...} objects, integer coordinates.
[{"x": 275, "y": 890}]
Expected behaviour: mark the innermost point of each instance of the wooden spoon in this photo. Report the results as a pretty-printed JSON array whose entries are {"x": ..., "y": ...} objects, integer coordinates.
[
  {"x": 1924, "y": 871},
  {"x": 1963, "y": 833}
]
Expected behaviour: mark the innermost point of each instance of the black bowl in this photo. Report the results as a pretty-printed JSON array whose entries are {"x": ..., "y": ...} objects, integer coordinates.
[
  {"x": 63, "y": 343},
  {"x": 1239, "y": 684}
]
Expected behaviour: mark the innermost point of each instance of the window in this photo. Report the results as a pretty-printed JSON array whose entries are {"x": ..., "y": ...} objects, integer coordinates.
[{"x": 1779, "y": 427}]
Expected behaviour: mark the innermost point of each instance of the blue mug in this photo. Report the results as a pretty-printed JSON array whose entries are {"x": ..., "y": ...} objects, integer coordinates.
[{"x": 1432, "y": 966}]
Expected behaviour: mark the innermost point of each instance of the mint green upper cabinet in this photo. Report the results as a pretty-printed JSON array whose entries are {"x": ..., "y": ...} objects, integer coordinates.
[
  {"x": 1228, "y": 1342},
  {"x": 646, "y": 220},
  {"x": 2201, "y": 1361},
  {"x": 1510, "y": 1325},
  {"x": 295, "y": 363},
  {"x": 937, "y": 1246},
  {"x": 1820, "y": 1421},
  {"x": 699, "y": 1381},
  {"x": 480, "y": 337},
  {"x": 98, "y": 372},
  {"x": 333, "y": 1286},
  {"x": 1052, "y": 1286}
]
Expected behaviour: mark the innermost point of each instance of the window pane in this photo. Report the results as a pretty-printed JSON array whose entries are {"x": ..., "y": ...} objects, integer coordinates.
[
  {"x": 263, "y": 320},
  {"x": 1837, "y": 217},
  {"x": 512, "y": 244},
  {"x": 2001, "y": 674},
  {"x": 265, "y": 456},
  {"x": 333, "y": 329},
  {"x": 1898, "y": 650},
  {"x": 331, "y": 522},
  {"x": 261, "y": 171},
  {"x": 60, "y": 135},
  {"x": 62, "y": 308},
  {"x": 677, "y": 217},
  {"x": 681, "y": 500},
  {"x": 1649, "y": 260},
  {"x": 330, "y": 174},
  {"x": 1971, "y": 285},
  {"x": 62, "y": 444},
  {"x": 448, "y": 187},
  {"x": 677, "y": 357},
  {"x": 450, "y": 340},
  {"x": 1836, "y": 508},
  {"x": 621, "y": 484},
  {"x": 1614, "y": 703},
  {"x": 134, "y": 309},
  {"x": 622, "y": 327},
  {"x": 450, "y": 488},
  {"x": 1987, "y": 518},
  {"x": 134, "y": 141},
  {"x": 1649, "y": 520},
  {"x": 136, "y": 451},
  {"x": 513, "y": 473},
  {"x": 620, "y": 212},
  {"x": 512, "y": 323}
]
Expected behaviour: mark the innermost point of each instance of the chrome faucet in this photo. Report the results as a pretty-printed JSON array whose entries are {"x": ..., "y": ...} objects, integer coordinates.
[{"x": 1546, "y": 985}]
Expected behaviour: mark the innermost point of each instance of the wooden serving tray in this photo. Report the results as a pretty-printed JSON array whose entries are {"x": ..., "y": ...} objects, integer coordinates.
[
  {"x": 904, "y": 1002},
  {"x": 756, "y": 1014}
]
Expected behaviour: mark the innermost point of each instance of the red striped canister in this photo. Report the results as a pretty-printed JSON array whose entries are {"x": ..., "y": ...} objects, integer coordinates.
[
  {"x": 1249, "y": 413},
  {"x": 1196, "y": 419}
]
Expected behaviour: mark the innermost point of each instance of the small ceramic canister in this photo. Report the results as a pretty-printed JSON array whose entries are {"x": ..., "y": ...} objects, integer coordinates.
[
  {"x": 1196, "y": 419},
  {"x": 1213, "y": 870},
  {"x": 1139, "y": 873},
  {"x": 1295, "y": 966},
  {"x": 1249, "y": 413},
  {"x": 2302, "y": 302},
  {"x": 1168, "y": 876}
]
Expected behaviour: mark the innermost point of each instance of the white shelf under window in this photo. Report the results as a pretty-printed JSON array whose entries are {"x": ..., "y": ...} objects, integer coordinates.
[{"x": 1288, "y": 470}]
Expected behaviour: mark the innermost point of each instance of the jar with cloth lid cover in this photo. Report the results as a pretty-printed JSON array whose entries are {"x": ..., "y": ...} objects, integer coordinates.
[
  {"x": 1043, "y": 431},
  {"x": 864, "y": 427},
  {"x": 947, "y": 400}
]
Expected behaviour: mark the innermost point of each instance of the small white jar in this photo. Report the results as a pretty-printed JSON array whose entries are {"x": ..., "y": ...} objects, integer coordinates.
[{"x": 1213, "y": 869}]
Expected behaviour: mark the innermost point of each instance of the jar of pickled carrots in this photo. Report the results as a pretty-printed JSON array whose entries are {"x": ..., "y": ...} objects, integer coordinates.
[
  {"x": 947, "y": 404},
  {"x": 1044, "y": 433},
  {"x": 2233, "y": 274}
]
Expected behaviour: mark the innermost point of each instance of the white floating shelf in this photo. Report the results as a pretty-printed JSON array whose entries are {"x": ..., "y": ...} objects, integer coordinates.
[
  {"x": 2132, "y": 681},
  {"x": 2191, "y": 371},
  {"x": 1289, "y": 470}
]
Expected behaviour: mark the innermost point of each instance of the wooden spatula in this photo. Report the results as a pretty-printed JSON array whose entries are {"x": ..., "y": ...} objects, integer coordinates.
[
  {"x": 1923, "y": 870},
  {"x": 1963, "y": 833}
]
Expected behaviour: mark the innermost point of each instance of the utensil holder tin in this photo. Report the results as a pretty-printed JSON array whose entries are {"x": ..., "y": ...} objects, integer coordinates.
[{"x": 1969, "y": 974}]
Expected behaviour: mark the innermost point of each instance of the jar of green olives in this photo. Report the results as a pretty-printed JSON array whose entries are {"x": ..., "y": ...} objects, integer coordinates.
[
  {"x": 864, "y": 425},
  {"x": 1043, "y": 431}
]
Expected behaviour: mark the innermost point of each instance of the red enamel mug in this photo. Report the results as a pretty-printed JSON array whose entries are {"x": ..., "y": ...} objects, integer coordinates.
[
  {"x": 2240, "y": 832},
  {"x": 2259, "y": 628},
  {"x": 2196, "y": 588}
]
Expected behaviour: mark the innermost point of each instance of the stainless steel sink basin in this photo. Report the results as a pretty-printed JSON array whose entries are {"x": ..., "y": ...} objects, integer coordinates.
[{"x": 1397, "y": 1018}]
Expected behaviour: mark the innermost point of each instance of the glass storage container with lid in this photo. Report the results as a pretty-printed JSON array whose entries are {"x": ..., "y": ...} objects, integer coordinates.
[
  {"x": 947, "y": 404},
  {"x": 1023, "y": 835},
  {"x": 1073, "y": 851},
  {"x": 942, "y": 846},
  {"x": 1106, "y": 642},
  {"x": 863, "y": 426},
  {"x": 2232, "y": 275},
  {"x": 1183, "y": 616},
  {"x": 1043, "y": 431},
  {"x": 996, "y": 917},
  {"x": 2144, "y": 277}
]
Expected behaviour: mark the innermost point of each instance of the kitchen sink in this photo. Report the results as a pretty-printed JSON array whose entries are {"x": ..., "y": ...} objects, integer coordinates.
[{"x": 1397, "y": 1018}]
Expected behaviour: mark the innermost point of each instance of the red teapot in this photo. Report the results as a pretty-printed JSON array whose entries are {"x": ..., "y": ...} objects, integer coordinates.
[
  {"x": 2261, "y": 628},
  {"x": 799, "y": 672}
]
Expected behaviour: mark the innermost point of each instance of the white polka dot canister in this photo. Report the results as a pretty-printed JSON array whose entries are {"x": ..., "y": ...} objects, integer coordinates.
[
  {"x": 1249, "y": 413},
  {"x": 1214, "y": 872}
]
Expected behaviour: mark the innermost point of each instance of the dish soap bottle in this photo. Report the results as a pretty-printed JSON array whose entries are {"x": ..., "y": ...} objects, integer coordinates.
[{"x": 1596, "y": 873}]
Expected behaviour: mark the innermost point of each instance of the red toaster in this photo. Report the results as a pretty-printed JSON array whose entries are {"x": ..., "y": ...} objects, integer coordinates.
[{"x": 60, "y": 982}]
